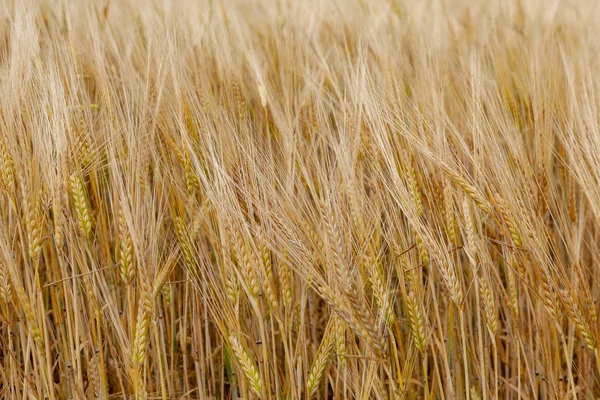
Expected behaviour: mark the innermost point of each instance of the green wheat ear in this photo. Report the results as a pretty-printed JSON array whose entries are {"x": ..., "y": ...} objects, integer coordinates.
[{"x": 229, "y": 370}]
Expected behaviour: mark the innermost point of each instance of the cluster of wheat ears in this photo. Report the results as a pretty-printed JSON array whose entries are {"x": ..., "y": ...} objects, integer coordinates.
[{"x": 285, "y": 199}]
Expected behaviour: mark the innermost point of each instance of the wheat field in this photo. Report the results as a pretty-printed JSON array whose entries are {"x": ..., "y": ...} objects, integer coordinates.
[{"x": 299, "y": 199}]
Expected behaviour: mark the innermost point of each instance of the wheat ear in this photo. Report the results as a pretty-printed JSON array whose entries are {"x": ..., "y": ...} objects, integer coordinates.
[{"x": 247, "y": 364}]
